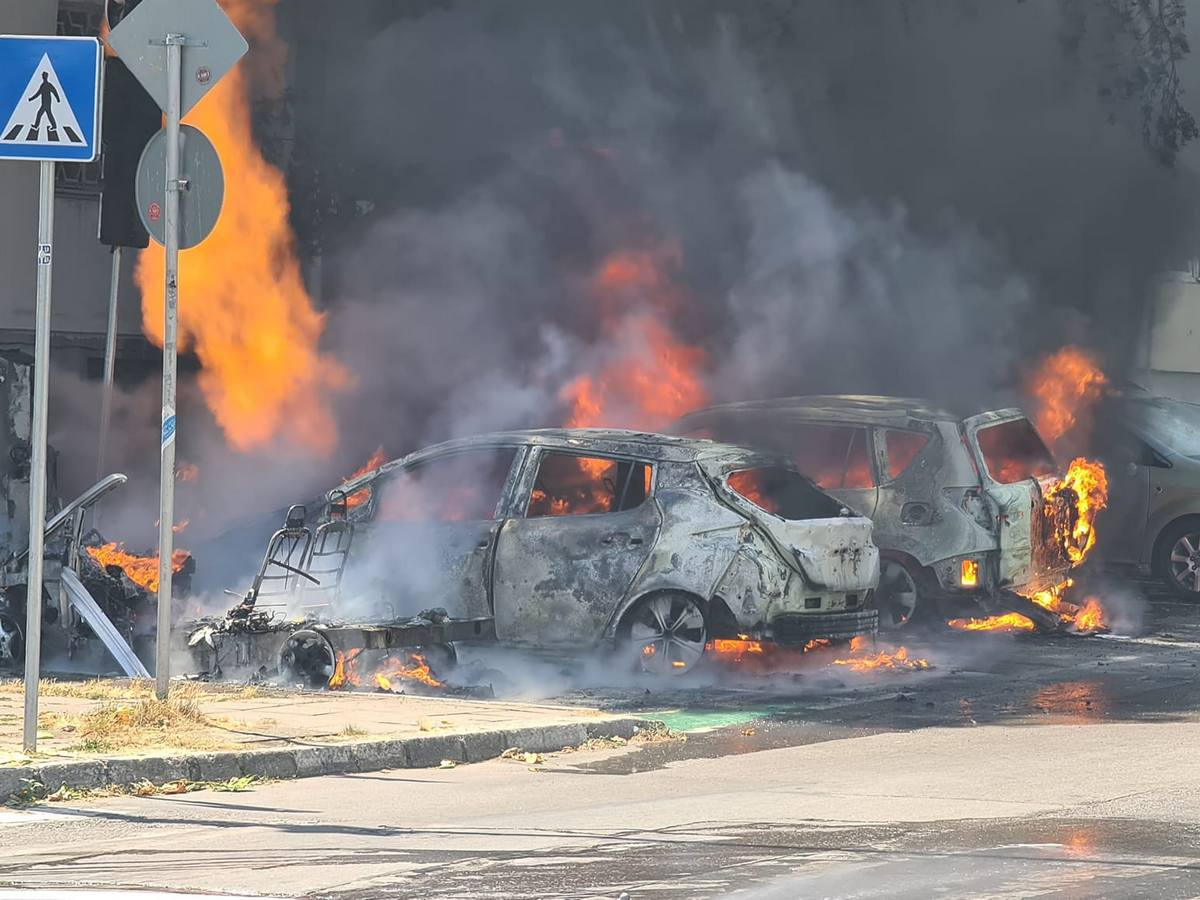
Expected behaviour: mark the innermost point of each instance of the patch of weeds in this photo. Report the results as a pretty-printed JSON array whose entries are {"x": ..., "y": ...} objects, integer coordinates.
[
  {"x": 351, "y": 731},
  {"x": 147, "y": 722}
]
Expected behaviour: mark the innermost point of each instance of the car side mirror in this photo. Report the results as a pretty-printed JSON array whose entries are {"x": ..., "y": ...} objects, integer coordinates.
[{"x": 1131, "y": 469}]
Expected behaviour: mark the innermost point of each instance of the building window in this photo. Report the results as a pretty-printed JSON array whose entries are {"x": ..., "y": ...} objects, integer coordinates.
[{"x": 79, "y": 18}]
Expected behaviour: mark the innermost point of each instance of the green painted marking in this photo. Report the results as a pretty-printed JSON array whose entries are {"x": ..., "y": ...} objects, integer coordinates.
[{"x": 696, "y": 720}]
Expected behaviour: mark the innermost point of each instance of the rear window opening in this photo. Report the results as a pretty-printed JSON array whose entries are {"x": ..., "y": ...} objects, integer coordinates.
[
  {"x": 1013, "y": 451},
  {"x": 902, "y": 448},
  {"x": 783, "y": 492}
]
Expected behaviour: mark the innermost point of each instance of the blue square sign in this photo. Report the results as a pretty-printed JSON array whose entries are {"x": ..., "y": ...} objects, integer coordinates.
[{"x": 49, "y": 98}]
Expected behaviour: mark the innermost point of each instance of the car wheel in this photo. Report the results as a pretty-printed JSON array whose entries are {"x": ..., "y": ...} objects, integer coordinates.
[
  {"x": 666, "y": 633},
  {"x": 896, "y": 595},
  {"x": 1179, "y": 558}
]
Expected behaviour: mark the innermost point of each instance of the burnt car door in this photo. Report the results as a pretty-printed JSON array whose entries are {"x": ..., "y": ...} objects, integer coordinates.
[
  {"x": 1013, "y": 460},
  {"x": 583, "y": 526},
  {"x": 1129, "y": 462},
  {"x": 431, "y": 532},
  {"x": 906, "y": 518}
]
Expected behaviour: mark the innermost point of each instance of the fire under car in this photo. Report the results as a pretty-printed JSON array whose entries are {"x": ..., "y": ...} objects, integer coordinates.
[
  {"x": 559, "y": 538},
  {"x": 966, "y": 509}
]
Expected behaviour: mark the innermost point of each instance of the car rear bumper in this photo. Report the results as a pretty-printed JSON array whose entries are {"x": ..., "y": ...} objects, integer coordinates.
[{"x": 796, "y": 629}]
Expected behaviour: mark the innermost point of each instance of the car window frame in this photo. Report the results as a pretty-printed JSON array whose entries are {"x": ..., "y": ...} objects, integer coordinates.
[
  {"x": 408, "y": 465},
  {"x": 523, "y": 488},
  {"x": 884, "y": 460},
  {"x": 872, "y": 450}
]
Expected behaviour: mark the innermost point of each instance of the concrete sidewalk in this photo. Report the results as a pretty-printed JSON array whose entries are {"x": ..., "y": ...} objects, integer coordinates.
[{"x": 272, "y": 732}]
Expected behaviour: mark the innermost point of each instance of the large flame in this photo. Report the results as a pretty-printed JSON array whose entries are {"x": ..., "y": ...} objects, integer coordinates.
[
  {"x": 1085, "y": 487},
  {"x": 141, "y": 570},
  {"x": 1065, "y": 388},
  {"x": 243, "y": 307},
  {"x": 653, "y": 377},
  {"x": 1085, "y": 618},
  {"x": 408, "y": 666}
]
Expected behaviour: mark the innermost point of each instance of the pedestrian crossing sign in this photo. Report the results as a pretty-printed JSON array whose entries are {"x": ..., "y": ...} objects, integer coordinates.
[{"x": 49, "y": 98}]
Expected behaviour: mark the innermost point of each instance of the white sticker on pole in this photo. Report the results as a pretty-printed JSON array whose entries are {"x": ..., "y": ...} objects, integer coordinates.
[
  {"x": 45, "y": 251},
  {"x": 168, "y": 426}
]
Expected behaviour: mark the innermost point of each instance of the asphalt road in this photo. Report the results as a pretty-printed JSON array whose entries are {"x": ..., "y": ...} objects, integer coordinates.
[{"x": 1017, "y": 767}]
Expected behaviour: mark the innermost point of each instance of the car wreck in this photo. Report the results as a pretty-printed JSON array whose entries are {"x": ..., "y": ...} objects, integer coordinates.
[
  {"x": 573, "y": 538},
  {"x": 969, "y": 511}
]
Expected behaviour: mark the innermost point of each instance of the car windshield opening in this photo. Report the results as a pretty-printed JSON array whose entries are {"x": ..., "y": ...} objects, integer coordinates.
[
  {"x": 783, "y": 492},
  {"x": 1013, "y": 451}
]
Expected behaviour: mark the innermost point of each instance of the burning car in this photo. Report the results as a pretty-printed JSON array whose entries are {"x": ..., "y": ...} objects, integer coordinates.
[
  {"x": 967, "y": 510},
  {"x": 578, "y": 536}
]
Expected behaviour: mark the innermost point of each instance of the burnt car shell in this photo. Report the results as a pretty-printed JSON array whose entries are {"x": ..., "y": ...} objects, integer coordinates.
[
  {"x": 579, "y": 534},
  {"x": 952, "y": 528}
]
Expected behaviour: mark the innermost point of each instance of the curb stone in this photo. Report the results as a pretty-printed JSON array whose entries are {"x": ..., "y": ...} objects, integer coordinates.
[{"x": 424, "y": 751}]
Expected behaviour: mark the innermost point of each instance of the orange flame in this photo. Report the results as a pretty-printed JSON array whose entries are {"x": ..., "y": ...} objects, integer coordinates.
[
  {"x": 1006, "y": 622},
  {"x": 1065, "y": 387},
  {"x": 345, "y": 672},
  {"x": 415, "y": 668},
  {"x": 898, "y": 659},
  {"x": 1090, "y": 616},
  {"x": 1086, "y": 486},
  {"x": 187, "y": 472},
  {"x": 362, "y": 495},
  {"x": 243, "y": 307},
  {"x": 141, "y": 570},
  {"x": 655, "y": 377}
]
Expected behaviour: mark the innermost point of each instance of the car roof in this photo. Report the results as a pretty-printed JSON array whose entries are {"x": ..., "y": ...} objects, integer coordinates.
[
  {"x": 843, "y": 407},
  {"x": 661, "y": 447}
]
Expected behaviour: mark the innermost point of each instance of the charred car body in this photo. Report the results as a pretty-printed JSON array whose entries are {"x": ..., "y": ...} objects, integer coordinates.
[
  {"x": 568, "y": 538},
  {"x": 962, "y": 506}
]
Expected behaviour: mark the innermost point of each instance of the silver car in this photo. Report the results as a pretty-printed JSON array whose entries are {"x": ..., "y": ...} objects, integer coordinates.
[
  {"x": 959, "y": 503},
  {"x": 1151, "y": 446},
  {"x": 572, "y": 537}
]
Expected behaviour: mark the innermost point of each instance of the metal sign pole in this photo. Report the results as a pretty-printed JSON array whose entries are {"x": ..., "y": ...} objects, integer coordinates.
[
  {"x": 166, "y": 482},
  {"x": 37, "y": 473},
  {"x": 110, "y": 353}
]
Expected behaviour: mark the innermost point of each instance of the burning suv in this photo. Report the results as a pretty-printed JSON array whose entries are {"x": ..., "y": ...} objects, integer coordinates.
[
  {"x": 583, "y": 535},
  {"x": 966, "y": 510}
]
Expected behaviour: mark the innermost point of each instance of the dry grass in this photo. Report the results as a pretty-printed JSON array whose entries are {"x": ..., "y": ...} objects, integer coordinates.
[
  {"x": 131, "y": 689},
  {"x": 141, "y": 724}
]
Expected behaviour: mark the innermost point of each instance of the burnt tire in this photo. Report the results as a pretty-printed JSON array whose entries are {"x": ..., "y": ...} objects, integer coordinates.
[
  {"x": 797, "y": 629},
  {"x": 307, "y": 658},
  {"x": 1177, "y": 558},
  {"x": 665, "y": 633}
]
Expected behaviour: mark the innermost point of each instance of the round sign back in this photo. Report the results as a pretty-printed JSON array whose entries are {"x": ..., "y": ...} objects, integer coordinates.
[{"x": 199, "y": 203}]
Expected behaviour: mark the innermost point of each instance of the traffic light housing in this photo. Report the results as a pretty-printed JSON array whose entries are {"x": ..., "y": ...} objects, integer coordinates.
[{"x": 131, "y": 118}]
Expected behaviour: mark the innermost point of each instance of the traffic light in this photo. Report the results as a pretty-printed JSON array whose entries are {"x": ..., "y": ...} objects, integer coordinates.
[
  {"x": 116, "y": 10},
  {"x": 131, "y": 118}
]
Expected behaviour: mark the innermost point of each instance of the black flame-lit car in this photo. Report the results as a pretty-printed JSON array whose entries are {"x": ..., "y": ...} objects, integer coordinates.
[
  {"x": 959, "y": 503},
  {"x": 572, "y": 538}
]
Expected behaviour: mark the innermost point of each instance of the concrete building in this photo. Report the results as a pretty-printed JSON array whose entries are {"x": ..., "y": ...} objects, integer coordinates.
[{"x": 82, "y": 265}]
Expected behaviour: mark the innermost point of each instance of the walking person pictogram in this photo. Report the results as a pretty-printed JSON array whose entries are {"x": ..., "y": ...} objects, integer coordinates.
[
  {"x": 42, "y": 113},
  {"x": 45, "y": 92}
]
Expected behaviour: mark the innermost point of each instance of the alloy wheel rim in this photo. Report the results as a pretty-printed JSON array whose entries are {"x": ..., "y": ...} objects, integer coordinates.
[
  {"x": 1185, "y": 562},
  {"x": 668, "y": 634}
]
